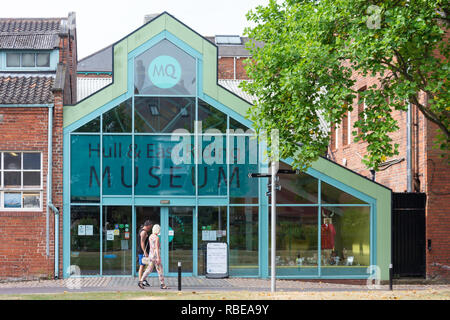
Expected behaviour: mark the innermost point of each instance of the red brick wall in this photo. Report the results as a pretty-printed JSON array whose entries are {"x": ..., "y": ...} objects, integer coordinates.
[
  {"x": 68, "y": 56},
  {"x": 226, "y": 68},
  {"x": 241, "y": 74},
  {"x": 395, "y": 176},
  {"x": 430, "y": 175},
  {"x": 57, "y": 174},
  {"x": 22, "y": 234},
  {"x": 437, "y": 213}
]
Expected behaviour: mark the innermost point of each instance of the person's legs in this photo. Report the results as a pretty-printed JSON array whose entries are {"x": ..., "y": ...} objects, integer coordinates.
[
  {"x": 142, "y": 280},
  {"x": 147, "y": 271},
  {"x": 159, "y": 269},
  {"x": 141, "y": 266},
  {"x": 141, "y": 270}
]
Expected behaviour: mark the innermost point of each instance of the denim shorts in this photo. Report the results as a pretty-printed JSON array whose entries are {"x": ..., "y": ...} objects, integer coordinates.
[{"x": 140, "y": 260}]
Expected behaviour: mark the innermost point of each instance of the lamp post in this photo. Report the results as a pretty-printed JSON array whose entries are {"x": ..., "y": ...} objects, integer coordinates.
[
  {"x": 273, "y": 226},
  {"x": 272, "y": 191}
]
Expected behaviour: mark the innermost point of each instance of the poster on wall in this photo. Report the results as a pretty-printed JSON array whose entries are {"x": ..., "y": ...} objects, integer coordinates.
[
  {"x": 89, "y": 230},
  {"x": 209, "y": 235},
  {"x": 110, "y": 235},
  {"x": 217, "y": 260},
  {"x": 81, "y": 230}
]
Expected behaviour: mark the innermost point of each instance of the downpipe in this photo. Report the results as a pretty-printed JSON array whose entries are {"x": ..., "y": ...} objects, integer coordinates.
[
  {"x": 408, "y": 149},
  {"x": 50, "y": 205}
]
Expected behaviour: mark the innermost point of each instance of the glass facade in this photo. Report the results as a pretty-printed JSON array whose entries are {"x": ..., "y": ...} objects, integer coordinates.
[
  {"x": 165, "y": 154},
  {"x": 322, "y": 231}
]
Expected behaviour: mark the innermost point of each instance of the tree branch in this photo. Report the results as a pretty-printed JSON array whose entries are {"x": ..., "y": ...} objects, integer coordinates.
[{"x": 430, "y": 115}]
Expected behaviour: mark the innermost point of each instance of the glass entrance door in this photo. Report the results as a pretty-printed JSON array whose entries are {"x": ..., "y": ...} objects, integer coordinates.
[
  {"x": 180, "y": 239},
  {"x": 176, "y": 236},
  {"x": 153, "y": 214},
  {"x": 117, "y": 241}
]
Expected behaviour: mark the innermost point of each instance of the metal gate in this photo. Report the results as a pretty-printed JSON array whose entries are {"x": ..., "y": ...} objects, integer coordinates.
[{"x": 409, "y": 234}]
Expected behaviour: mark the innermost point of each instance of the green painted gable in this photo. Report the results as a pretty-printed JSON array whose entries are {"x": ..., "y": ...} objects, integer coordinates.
[{"x": 166, "y": 23}]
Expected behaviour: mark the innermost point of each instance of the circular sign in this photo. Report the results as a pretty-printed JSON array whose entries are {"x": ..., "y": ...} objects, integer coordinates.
[
  {"x": 164, "y": 72},
  {"x": 171, "y": 234}
]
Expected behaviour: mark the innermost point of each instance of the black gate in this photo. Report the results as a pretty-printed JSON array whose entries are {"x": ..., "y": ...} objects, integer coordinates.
[{"x": 409, "y": 234}]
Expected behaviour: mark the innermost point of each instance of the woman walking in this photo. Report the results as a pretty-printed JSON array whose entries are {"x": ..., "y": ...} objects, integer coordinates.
[{"x": 155, "y": 257}]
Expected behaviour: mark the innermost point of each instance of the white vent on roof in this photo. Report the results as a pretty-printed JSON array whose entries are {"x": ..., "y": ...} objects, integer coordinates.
[{"x": 236, "y": 40}]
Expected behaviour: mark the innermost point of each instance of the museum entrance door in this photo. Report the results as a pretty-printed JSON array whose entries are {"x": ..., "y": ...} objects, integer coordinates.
[{"x": 176, "y": 236}]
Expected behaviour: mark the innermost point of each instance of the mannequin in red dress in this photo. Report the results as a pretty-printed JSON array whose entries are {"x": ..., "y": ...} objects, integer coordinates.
[{"x": 327, "y": 234}]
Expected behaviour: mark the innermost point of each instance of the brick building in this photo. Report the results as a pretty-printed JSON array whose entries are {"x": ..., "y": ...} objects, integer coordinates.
[
  {"x": 419, "y": 168},
  {"x": 37, "y": 77}
]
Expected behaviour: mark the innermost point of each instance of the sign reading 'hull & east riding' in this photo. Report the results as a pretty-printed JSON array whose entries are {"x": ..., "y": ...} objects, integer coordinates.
[{"x": 156, "y": 172}]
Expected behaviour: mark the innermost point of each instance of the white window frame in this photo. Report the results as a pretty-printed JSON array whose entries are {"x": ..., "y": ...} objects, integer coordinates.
[
  {"x": 22, "y": 190},
  {"x": 337, "y": 137},
  {"x": 34, "y": 53},
  {"x": 349, "y": 128}
]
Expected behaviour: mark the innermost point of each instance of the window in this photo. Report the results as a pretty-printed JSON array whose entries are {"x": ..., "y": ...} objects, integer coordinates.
[
  {"x": 333, "y": 137},
  {"x": 345, "y": 240},
  {"x": 20, "y": 180},
  {"x": 28, "y": 60},
  {"x": 43, "y": 60},
  {"x": 13, "y": 60},
  {"x": 234, "y": 40},
  {"x": 346, "y": 129},
  {"x": 361, "y": 104}
]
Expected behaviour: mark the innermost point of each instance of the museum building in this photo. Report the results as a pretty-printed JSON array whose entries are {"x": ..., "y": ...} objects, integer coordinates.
[{"x": 166, "y": 141}]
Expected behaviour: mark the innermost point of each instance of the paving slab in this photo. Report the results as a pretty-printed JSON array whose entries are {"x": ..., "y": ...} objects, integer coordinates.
[{"x": 107, "y": 284}]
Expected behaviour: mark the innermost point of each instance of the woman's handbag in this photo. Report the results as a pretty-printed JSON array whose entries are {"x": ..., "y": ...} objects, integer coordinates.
[{"x": 145, "y": 260}]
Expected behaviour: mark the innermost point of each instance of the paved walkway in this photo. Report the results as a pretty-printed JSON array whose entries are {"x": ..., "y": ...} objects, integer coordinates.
[{"x": 188, "y": 283}]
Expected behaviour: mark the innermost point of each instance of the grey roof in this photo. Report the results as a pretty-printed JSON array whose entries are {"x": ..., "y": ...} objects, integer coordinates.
[
  {"x": 30, "y": 33},
  {"x": 26, "y": 88},
  {"x": 101, "y": 61}
]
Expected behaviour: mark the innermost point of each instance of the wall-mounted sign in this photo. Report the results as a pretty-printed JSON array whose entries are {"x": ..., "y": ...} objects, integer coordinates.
[
  {"x": 89, "y": 230},
  {"x": 164, "y": 72},
  {"x": 110, "y": 235},
  {"x": 81, "y": 230},
  {"x": 165, "y": 69},
  {"x": 209, "y": 235},
  {"x": 217, "y": 260},
  {"x": 171, "y": 234},
  {"x": 155, "y": 171}
]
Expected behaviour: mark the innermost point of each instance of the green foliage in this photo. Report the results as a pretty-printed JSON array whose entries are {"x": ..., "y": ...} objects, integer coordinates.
[{"x": 304, "y": 72}]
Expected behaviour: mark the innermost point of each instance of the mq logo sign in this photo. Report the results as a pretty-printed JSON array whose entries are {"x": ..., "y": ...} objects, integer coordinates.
[{"x": 164, "y": 72}]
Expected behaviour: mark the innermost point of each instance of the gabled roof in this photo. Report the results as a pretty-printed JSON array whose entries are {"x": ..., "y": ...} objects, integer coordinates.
[
  {"x": 31, "y": 33},
  {"x": 26, "y": 89}
]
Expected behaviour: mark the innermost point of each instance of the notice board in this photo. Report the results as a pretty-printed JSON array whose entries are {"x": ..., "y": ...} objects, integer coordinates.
[{"x": 217, "y": 260}]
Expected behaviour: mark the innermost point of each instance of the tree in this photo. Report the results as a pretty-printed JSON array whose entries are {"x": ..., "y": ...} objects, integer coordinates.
[{"x": 304, "y": 73}]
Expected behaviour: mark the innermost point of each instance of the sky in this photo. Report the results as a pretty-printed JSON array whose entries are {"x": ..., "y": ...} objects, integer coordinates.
[{"x": 103, "y": 22}]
